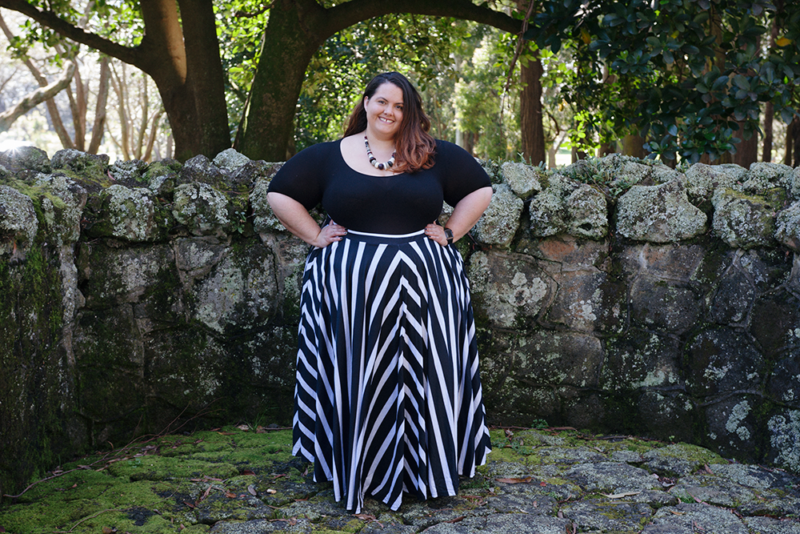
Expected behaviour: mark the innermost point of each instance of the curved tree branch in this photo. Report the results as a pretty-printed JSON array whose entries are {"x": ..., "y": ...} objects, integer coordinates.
[
  {"x": 69, "y": 30},
  {"x": 344, "y": 15},
  {"x": 35, "y": 98}
]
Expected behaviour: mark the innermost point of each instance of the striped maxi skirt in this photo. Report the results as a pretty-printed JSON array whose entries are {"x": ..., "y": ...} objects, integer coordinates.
[{"x": 388, "y": 393}]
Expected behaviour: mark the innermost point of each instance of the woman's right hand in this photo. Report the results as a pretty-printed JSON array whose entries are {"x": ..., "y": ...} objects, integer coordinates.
[{"x": 329, "y": 234}]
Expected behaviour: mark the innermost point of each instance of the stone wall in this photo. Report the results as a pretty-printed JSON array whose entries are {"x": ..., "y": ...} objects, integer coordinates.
[{"x": 615, "y": 295}]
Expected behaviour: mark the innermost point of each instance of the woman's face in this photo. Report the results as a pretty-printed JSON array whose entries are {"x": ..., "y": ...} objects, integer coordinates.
[{"x": 384, "y": 110}]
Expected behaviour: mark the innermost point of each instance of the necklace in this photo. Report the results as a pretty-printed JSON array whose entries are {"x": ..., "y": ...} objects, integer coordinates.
[{"x": 374, "y": 161}]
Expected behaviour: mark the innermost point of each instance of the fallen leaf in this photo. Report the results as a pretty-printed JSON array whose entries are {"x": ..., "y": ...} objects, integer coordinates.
[
  {"x": 227, "y": 433},
  {"x": 74, "y": 485},
  {"x": 673, "y": 512},
  {"x": 542, "y": 483},
  {"x": 708, "y": 469},
  {"x": 621, "y": 495},
  {"x": 457, "y": 519},
  {"x": 230, "y": 495},
  {"x": 244, "y": 427},
  {"x": 260, "y": 430},
  {"x": 108, "y": 530},
  {"x": 560, "y": 514},
  {"x": 196, "y": 479},
  {"x": 252, "y": 490},
  {"x": 509, "y": 433},
  {"x": 190, "y": 505},
  {"x": 248, "y": 473},
  {"x": 524, "y": 480},
  {"x": 84, "y": 467},
  {"x": 272, "y": 491},
  {"x": 366, "y": 517}
]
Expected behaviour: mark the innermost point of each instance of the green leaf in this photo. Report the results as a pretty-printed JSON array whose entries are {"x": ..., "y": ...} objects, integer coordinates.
[{"x": 741, "y": 82}]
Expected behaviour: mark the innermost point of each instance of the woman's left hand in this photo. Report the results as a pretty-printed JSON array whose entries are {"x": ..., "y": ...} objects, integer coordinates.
[{"x": 436, "y": 233}]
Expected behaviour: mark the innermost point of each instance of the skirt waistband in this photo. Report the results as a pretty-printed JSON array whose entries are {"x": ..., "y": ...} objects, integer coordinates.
[{"x": 389, "y": 239}]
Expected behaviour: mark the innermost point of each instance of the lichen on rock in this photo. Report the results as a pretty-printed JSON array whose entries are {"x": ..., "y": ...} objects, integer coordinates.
[
  {"x": 201, "y": 208},
  {"x": 91, "y": 168},
  {"x": 567, "y": 206},
  {"x": 742, "y": 221},
  {"x": 784, "y": 436},
  {"x": 63, "y": 219},
  {"x": 523, "y": 179},
  {"x": 199, "y": 169},
  {"x": 500, "y": 221},
  {"x": 702, "y": 180},
  {"x": 18, "y": 222},
  {"x": 764, "y": 175},
  {"x": 130, "y": 173},
  {"x": 230, "y": 160},
  {"x": 131, "y": 213},
  {"x": 787, "y": 227},
  {"x": 659, "y": 214},
  {"x": 264, "y": 220}
]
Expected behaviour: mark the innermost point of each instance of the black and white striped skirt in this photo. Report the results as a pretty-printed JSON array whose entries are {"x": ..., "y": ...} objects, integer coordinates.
[{"x": 388, "y": 395}]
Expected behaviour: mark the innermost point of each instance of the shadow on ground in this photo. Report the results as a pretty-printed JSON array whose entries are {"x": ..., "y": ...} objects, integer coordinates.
[{"x": 237, "y": 481}]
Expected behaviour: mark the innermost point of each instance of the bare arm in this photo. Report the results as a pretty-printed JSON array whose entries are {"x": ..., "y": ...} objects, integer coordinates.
[
  {"x": 296, "y": 219},
  {"x": 467, "y": 212}
]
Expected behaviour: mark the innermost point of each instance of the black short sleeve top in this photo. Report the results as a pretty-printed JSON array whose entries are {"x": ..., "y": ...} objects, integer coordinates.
[{"x": 398, "y": 204}]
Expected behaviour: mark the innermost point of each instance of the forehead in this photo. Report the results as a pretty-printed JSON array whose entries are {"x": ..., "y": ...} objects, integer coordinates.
[{"x": 390, "y": 92}]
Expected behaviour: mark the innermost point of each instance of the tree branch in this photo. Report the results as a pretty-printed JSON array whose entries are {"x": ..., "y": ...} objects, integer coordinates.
[
  {"x": 70, "y": 31},
  {"x": 35, "y": 98},
  {"x": 344, "y": 15}
]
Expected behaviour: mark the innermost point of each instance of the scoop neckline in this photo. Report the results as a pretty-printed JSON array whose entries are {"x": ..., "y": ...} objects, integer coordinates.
[{"x": 341, "y": 157}]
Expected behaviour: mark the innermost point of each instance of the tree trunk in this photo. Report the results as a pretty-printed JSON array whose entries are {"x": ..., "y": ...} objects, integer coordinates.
[
  {"x": 747, "y": 149},
  {"x": 530, "y": 100},
  {"x": 100, "y": 106},
  {"x": 633, "y": 145}
]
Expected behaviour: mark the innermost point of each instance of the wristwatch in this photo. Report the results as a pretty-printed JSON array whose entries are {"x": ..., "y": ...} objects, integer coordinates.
[{"x": 448, "y": 233}]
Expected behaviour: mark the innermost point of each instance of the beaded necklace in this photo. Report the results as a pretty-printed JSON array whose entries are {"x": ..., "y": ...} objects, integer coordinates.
[{"x": 374, "y": 161}]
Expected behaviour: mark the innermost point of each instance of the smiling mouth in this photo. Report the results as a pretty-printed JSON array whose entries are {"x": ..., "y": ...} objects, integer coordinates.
[{"x": 382, "y": 119}]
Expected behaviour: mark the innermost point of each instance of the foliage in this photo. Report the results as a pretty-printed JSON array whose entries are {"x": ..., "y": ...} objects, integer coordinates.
[{"x": 683, "y": 74}]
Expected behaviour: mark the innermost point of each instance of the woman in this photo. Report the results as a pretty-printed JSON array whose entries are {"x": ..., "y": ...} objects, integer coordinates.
[{"x": 388, "y": 394}]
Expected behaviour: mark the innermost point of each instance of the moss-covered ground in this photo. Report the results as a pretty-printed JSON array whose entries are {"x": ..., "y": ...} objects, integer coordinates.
[{"x": 236, "y": 479}]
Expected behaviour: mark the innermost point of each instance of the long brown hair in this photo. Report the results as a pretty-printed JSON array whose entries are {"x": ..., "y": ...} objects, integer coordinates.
[{"x": 413, "y": 144}]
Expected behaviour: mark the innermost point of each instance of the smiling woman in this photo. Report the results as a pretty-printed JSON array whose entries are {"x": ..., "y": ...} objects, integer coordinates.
[{"x": 388, "y": 394}]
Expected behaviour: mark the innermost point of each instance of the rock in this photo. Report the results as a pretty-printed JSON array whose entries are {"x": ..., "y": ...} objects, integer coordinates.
[
  {"x": 567, "y": 206},
  {"x": 611, "y": 477},
  {"x": 763, "y": 176},
  {"x": 733, "y": 299},
  {"x": 523, "y": 179},
  {"x": 132, "y": 214},
  {"x": 88, "y": 169},
  {"x": 732, "y": 423},
  {"x": 787, "y": 227},
  {"x": 18, "y": 223},
  {"x": 588, "y": 302},
  {"x": 783, "y": 385},
  {"x": 201, "y": 208},
  {"x": 239, "y": 292},
  {"x": 230, "y": 160},
  {"x": 25, "y": 158},
  {"x": 722, "y": 361},
  {"x": 641, "y": 359},
  {"x": 742, "y": 221},
  {"x": 667, "y": 415},
  {"x": 622, "y": 172},
  {"x": 129, "y": 173},
  {"x": 659, "y": 214},
  {"x": 769, "y": 525},
  {"x": 691, "y": 518},
  {"x": 606, "y": 516},
  {"x": 559, "y": 359},
  {"x": 781, "y": 333},
  {"x": 244, "y": 177},
  {"x": 680, "y": 460},
  {"x": 264, "y": 220},
  {"x": 702, "y": 180},
  {"x": 669, "y": 306},
  {"x": 784, "y": 435},
  {"x": 509, "y": 288},
  {"x": 673, "y": 262},
  {"x": 199, "y": 170},
  {"x": 794, "y": 184},
  {"x": 63, "y": 218},
  {"x": 500, "y": 221},
  {"x": 161, "y": 176}
]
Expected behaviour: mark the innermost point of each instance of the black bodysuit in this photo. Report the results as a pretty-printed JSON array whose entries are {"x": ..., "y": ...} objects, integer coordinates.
[{"x": 399, "y": 204}]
